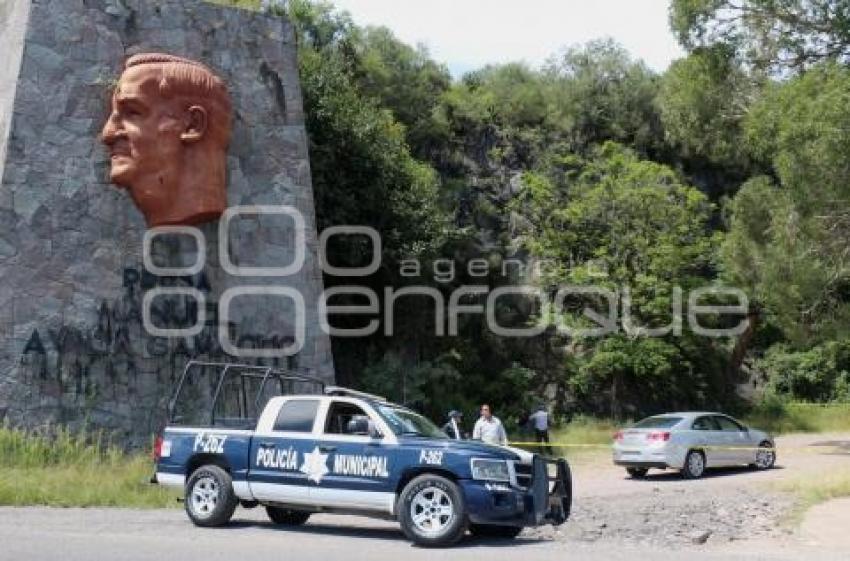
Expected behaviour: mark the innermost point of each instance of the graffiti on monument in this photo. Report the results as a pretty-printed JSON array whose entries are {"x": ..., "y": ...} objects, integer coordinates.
[{"x": 115, "y": 359}]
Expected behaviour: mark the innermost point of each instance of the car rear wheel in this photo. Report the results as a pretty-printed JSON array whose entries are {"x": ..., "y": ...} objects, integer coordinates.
[
  {"x": 765, "y": 456},
  {"x": 694, "y": 466},
  {"x": 637, "y": 473},
  {"x": 286, "y": 516},
  {"x": 210, "y": 500},
  {"x": 494, "y": 531},
  {"x": 432, "y": 511}
]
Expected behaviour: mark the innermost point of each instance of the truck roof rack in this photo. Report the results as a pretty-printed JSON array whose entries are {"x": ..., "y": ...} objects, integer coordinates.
[
  {"x": 262, "y": 375},
  {"x": 337, "y": 390}
]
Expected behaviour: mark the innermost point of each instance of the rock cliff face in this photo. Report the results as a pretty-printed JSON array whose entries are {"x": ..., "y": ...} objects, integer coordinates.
[{"x": 72, "y": 280}]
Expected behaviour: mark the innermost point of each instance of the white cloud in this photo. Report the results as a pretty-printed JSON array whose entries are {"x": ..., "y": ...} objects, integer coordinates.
[{"x": 467, "y": 34}]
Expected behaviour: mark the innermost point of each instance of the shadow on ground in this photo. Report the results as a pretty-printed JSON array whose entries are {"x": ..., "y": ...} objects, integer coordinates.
[
  {"x": 387, "y": 533},
  {"x": 710, "y": 473}
]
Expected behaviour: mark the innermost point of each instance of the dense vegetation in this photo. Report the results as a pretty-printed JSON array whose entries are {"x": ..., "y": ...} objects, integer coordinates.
[{"x": 728, "y": 169}]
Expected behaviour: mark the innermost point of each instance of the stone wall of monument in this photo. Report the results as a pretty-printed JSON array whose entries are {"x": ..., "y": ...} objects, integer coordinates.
[{"x": 73, "y": 349}]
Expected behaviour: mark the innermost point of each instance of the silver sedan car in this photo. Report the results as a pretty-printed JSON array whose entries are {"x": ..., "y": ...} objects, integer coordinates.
[{"x": 691, "y": 442}]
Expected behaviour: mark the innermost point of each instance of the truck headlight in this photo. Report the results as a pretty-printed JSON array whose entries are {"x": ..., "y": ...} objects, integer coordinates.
[{"x": 491, "y": 470}]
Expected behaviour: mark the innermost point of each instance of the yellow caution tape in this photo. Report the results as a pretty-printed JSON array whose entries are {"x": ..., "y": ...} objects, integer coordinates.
[{"x": 811, "y": 448}]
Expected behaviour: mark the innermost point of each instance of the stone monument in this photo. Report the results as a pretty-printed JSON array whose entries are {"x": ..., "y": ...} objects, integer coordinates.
[{"x": 78, "y": 207}]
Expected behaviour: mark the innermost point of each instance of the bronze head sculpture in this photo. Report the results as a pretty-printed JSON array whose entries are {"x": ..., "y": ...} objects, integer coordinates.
[{"x": 167, "y": 136}]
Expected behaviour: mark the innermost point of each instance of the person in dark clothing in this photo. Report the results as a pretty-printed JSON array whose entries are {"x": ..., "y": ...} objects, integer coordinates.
[
  {"x": 539, "y": 421},
  {"x": 453, "y": 426}
]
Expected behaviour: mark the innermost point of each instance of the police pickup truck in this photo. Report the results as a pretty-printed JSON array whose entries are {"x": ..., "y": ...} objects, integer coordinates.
[{"x": 312, "y": 448}]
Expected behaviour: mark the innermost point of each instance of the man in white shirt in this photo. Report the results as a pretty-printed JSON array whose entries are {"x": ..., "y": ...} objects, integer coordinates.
[{"x": 489, "y": 429}]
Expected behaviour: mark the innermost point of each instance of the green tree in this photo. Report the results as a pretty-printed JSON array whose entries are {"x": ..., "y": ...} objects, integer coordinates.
[
  {"x": 600, "y": 93},
  {"x": 616, "y": 221},
  {"x": 778, "y": 35},
  {"x": 406, "y": 81},
  {"x": 703, "y": 100},
  {"x": 788, "y": 236},
  {"x": 821, "y": 373}
]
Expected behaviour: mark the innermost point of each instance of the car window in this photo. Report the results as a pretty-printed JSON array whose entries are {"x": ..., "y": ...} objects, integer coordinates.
[
  {"x": 705, "y": 423},
  {"x": 727, "y": 424},
  {"x": 297, "y": 415},
  {"x": 658, "y": 423},
  {"x": 339, "y": 415}
]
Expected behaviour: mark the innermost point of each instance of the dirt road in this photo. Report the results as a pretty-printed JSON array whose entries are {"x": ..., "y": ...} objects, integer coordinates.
[
  {"x": 726, "y": 507},
  {"x": 729, "y": 515}
]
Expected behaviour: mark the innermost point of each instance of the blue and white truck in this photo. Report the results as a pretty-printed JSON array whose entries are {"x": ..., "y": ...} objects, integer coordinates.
[{"x": 259, "y": 436}]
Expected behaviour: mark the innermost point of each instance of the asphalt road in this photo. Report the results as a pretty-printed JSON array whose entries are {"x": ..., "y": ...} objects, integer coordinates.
[
  {"x": 121, "y": 534},
  {"x": 117, "y": 535}
]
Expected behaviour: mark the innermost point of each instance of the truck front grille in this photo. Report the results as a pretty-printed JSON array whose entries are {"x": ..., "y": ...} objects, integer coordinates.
[{"x": 524, "y": 475}]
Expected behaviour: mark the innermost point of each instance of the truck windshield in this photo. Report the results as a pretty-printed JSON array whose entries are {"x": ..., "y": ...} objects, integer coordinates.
[{"x": 404, "y": 422}]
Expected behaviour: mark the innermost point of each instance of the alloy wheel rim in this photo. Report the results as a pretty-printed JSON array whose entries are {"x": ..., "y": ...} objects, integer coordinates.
[
  {"x": 764, "y": 457},
  {"x": 431, "y": 510},
  {"x": 696, "y": 464},
  {"x": 204, "y": 497}
]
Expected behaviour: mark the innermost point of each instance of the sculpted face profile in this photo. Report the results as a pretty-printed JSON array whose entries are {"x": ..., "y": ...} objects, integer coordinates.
[{"x": 167, "y": 136}]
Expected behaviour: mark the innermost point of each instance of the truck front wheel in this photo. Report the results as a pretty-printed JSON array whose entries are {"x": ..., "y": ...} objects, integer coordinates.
[
  {"x": 432, "y": 511},
  {"x": 210, "y": 500}
]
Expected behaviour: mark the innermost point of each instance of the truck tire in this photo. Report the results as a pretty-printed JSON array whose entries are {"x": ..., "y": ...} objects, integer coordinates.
[
  {"x": 210, "y": 500},
  {"x": 286, "y": 516},
  {"x": 494, "y": 531},
  {"x": 432, "y": 511}
]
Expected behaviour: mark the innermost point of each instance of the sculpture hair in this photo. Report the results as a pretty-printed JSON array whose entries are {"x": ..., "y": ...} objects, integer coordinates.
[{"x": 196, "y": 84}]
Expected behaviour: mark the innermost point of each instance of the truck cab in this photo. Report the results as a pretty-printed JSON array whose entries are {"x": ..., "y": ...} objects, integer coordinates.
[{"x": 341, "y": 451}]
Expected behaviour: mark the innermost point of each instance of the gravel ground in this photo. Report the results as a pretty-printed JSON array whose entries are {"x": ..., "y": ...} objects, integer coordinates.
[
  {"x": 676, "y": 517},
  {"x": 727, "y": 507}
]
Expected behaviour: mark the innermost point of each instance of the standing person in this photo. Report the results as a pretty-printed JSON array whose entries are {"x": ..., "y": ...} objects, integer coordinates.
[
  {"x": 453, "y": 426},
  {"x": 540, "y": 423},
  {"x": 489, "y": 429}
]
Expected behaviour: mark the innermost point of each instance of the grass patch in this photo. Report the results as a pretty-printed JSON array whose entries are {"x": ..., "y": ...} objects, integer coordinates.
[
  {"x": 587, "y": 431},
  {"x": 585, "y": 435},
  {"x": 812, "y": 491},
  {"x": 779, "y": 417},
  {"x": 65, "y": 469}
]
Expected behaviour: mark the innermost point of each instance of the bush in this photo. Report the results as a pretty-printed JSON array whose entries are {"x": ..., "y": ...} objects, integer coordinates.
[
  {"x": 777, "y": 414},
  {"x": 821, "y": 373}
]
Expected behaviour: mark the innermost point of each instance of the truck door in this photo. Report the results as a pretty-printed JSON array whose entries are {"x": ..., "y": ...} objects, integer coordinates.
[
  {"x": 358, "y": 464},
  {"x": 279, "y": 451}
]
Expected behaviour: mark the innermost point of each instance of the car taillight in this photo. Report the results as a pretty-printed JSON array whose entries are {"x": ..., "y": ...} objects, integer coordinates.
[
  {"x": 157, "y": 448},
  {"x": 665, "y": 436},
  {"x": 618, "y": 435}
]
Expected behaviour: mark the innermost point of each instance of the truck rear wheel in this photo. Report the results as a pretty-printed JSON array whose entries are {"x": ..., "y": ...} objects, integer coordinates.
[
  {"x": 432, "y": 511},
  {"x": 286, "y": 516},
  {"x": 210, "y": 500},
  {"x": 495, "y": 531}
]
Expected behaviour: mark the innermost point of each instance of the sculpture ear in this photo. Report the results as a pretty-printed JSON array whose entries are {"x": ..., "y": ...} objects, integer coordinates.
[{"x": 195, "y": 125}]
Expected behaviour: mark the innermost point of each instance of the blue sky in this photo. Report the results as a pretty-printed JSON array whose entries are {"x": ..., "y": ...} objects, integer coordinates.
[{"x": 467, "y": 34}]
